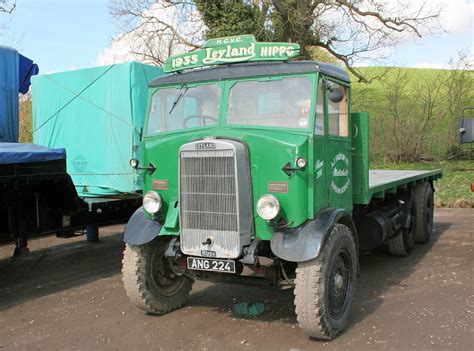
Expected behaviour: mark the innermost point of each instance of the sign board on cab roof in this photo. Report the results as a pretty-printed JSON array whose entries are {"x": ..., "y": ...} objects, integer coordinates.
[{"x": 241, "y": 48}]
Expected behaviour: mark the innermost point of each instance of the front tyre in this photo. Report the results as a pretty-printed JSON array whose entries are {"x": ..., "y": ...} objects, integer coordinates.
[
  {"x": 325, "y": 286},
  {"x": 150, "y": 280}
]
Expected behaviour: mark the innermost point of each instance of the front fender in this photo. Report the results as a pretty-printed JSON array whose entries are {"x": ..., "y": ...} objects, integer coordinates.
[
  {"x": 305, "y": 242},
  {"x": 140, "y": 230}
]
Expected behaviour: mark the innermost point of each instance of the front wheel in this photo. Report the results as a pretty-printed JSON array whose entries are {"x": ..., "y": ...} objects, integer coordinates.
[
  {"x": 325, "y": 286},
  {"x": 151, "y": 280}
]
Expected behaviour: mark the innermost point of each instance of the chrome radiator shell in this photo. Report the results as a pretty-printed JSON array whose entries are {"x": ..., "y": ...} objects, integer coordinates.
[{"x": 215, "y": 199}]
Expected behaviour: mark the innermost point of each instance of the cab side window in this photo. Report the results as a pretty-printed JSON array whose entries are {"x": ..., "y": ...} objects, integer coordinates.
[
  {"x": 338, "y": 114},
  {"x": 319, "y": 122}
]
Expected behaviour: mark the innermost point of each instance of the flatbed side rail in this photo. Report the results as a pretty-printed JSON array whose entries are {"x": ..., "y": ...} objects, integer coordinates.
[{"x": 383, "y": 182}]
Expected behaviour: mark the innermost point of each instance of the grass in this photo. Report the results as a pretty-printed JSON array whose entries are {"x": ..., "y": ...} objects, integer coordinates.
[{"x": 453, "y": 190}]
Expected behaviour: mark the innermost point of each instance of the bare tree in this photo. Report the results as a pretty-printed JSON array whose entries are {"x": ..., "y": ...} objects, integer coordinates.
[
  {"x": 417, "y": 115},
  {"x": 25, "y": 122},
  {"x": 7, "y": 6},
  {"x": 155, "y": 30},
  {"x": 354, "y": 31},
  {"x": 350, "y": 30},
  {"x": 459, "y": 94}
]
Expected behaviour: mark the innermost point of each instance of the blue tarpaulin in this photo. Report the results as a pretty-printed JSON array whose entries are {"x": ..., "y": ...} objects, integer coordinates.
[
  {"x": 15, "y": 73},
  {"x": 9, "y": 88},
  {"x": 27, "y": 69},
  {"x": 11, "y": 153}
]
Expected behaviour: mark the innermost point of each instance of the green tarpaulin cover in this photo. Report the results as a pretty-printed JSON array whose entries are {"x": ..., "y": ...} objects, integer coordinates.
[{"x": 97, "y": 115}]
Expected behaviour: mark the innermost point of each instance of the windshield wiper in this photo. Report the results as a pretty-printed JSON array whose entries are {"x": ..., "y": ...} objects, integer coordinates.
[{"x": 180, "y": 95}]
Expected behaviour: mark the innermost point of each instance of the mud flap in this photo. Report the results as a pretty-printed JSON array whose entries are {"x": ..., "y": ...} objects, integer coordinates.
[
  {"x": 140, "y": 230},
  {"x": 306, "y": 241}
]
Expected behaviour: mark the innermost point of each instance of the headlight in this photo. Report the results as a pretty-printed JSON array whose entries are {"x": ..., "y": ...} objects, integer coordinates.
[
  {"x": 268, "y": 207},
  {"x": 152, "y": 202}
]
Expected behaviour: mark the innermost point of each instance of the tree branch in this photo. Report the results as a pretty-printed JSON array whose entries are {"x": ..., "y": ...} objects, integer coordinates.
[
  {"x": 395, "y": 24},
  {"x": 5, "y": 8},
  {"x": 345, "y": 60}
]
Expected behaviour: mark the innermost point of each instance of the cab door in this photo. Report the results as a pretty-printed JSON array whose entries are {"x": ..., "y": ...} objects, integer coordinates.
[{"x": 338, "y": 144}]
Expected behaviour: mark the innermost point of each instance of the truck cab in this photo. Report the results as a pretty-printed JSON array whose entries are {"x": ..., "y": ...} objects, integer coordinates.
[{"x": 256, "y": 170}]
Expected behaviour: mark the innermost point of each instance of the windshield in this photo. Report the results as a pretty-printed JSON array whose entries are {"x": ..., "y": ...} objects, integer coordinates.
[
  {"x": 183, "y": 107},
  {"x": 284, "y": 102}
]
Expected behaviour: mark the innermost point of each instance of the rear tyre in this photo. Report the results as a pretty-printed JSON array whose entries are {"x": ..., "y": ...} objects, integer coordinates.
[
  {"x": 402, "y": 244},
  {"x": 325, "y": 286},
  {"x": 424, "y": 203},
  {"x": 150, "y": 280}
]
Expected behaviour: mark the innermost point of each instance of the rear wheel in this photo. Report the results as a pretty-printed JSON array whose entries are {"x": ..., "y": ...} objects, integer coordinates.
[
  {"x": 325, "y": 286},
  {"x": 424, "y": 203},
  {"x": 402, "y": 244},
  {"x": 151, "y": 280}
]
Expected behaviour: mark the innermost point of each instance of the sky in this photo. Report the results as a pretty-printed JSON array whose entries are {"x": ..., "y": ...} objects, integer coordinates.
[
  {"x": 63, "y": 35},
  {"x": 60, "y": 35}
]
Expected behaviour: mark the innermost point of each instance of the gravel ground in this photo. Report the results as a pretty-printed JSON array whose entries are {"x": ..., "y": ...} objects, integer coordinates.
[{"x": 68, "y": 294}]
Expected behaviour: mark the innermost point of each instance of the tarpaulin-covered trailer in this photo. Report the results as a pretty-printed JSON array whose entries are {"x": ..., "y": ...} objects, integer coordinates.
[{"x": 97, "y": 115}]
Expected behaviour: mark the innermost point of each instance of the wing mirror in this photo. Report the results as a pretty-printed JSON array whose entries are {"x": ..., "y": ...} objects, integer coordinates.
[{"x": 336, "y": 94}]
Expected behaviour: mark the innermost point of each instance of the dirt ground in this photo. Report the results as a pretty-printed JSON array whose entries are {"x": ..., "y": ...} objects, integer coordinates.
[{"x": 68, "y": 295}]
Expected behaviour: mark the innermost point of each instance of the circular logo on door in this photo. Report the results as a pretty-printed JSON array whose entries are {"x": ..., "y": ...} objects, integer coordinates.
[{"x": 340, "y": 174}]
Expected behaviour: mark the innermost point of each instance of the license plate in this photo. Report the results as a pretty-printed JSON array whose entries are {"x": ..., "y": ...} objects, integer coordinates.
[{"x": 209, "y": 264}]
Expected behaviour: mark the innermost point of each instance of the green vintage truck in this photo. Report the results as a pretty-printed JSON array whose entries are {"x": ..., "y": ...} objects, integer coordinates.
[{"x": 256, "y": 171}]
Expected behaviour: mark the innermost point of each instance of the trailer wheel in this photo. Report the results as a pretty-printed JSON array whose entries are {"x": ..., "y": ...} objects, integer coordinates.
[
  {"x": 149, "y": 279},
  {"x": 424, "y": 202},
  {"x": 402, "y": 244},
  {"x": 325, "y": 286}
]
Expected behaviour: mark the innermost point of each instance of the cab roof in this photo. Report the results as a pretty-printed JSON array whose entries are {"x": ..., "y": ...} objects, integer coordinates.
[{"x": 251, "y": 69}]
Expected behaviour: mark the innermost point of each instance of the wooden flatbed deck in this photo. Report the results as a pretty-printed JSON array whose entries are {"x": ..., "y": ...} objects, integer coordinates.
[{"x": 388, "y": 181}]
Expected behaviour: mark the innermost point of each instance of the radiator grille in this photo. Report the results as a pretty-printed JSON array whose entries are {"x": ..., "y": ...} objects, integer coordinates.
[
  {"x": 208, "y": 192},
  {"x": 215, "y": 199},
  {"x": 208, "y": 199}
]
